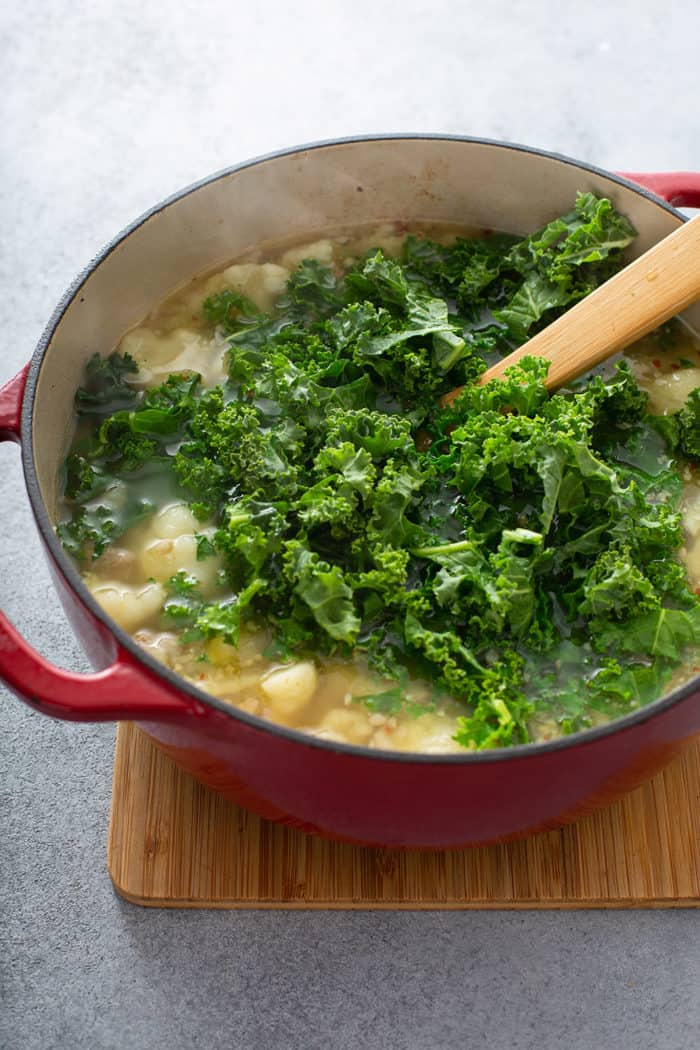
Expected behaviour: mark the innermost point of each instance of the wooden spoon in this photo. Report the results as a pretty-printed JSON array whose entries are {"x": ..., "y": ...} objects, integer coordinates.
[{"x": 649, "y": 291}]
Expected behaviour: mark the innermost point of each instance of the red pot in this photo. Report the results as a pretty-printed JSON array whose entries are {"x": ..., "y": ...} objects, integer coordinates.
[{"x": 337, "y": 790}]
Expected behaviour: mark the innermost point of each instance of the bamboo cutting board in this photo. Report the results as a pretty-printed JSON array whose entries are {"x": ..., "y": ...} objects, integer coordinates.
[{"x": 174, "y": 843}]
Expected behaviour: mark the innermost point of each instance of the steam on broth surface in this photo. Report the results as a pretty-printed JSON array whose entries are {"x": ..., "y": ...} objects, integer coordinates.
[{"x": 341, "y": 697}]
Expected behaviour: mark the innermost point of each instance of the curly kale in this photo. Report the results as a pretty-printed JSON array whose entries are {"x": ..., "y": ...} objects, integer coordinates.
[
  {"x": 518, "y": 549},
  {"x": 681, "y": 430},
  {"x": 106, "y": 387},
  {"x": 108, "y": 476},
  {"x": 230, "y": 311}
]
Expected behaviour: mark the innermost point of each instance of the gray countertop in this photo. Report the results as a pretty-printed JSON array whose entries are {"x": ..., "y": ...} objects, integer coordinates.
[{"x": 108, "y": 108}]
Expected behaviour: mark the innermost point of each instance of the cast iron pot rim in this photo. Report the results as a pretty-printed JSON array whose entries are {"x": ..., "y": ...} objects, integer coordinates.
[{"x": 72, "y": 577}]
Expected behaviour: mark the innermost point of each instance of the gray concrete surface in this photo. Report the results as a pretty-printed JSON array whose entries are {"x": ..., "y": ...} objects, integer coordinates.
[{"x": 107, "y": 108}]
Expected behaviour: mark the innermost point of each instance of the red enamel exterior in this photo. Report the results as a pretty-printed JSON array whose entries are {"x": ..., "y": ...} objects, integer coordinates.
[
  {"x": 338, "y": 791},
  {"x": 680, "y": 188},
  {"x": 11, "y": 396}
]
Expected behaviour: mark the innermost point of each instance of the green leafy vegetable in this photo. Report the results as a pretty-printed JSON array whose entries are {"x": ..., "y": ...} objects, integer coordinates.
[
  {"x": 108, "y": 476},
  {"x": 682, "y": 429},
  {"x": 106, "y": 385},
  {"x": 393, "y": 702},
  {"x": 230, "y": 311},
  {"x": 516, "y": 549}
]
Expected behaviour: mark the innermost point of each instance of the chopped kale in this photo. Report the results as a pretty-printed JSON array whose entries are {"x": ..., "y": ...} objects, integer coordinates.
[
  {"x": 107, "y": 476},
  {"x": 106, "y": 387},
  {"x": 682, "y": 429},
  {"x": 518, "y": 549},
  {"x": 230, "y": 311}
]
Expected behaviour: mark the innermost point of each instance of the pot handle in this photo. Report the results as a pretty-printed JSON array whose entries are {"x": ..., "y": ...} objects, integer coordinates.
[
  {"x": 125, "y": 690},
  {"x": 680, "y": 188},
  {"x": 11, "y": 406}
]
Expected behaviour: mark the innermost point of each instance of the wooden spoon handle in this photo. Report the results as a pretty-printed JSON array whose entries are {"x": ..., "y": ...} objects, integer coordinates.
[{"x": 636, "y": 300}]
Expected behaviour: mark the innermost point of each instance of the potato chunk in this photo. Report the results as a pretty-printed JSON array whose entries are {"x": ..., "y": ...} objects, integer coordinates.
[
  {"x": 690, "y": 506},
  {"x": 159, "y": 354},
  {"x": 321, "y": 251},
  {"x": 175, "y": 520},
  {"x": 161, "y": 559},
  {"x": 346, "y": 725},
  {"x": 429, "y": 733},
  {"x": 171, "y": 547},
  {"x": 289, "y": 689},
  {"x": 669, "y": 391},
  {"x": 129, "y": 606},
  {"x": 262, "y": 283}
]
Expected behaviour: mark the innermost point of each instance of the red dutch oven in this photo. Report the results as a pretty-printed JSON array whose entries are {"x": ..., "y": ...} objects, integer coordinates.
[{"x": 347, "y": 792}]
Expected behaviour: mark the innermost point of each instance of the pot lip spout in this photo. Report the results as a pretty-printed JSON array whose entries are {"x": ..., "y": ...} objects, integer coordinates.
[{"x": 73, "y": 580}]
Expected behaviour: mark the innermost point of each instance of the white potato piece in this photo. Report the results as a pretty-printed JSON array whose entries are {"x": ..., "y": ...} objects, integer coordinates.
[
  {"x": 170, "y": 546},
  {"x": 117, "y": 563},
  {"x": 322, "y": 251},
  {"x": 174, "y": 520},
  {"x": 163, "y": 645},
  {"x": 184, "y": 310},
  {"x": 251, "y": 645},
  {"x": 247, "y": 278},
  {"x": 669, "y": 391},
  {"x": 251, "y": 705},
  {"x": 289, "y": 689},
  {"x": 690, "y": 508},
  {"x": 691, "y": 557},
  {"x": 129, "y": 606},
  {"x": 263, "y": 283},
  {"x": 148, "y": 348},
  {"x": 225, "y": 686},
  {"x": 542, "y": 728},
  {"x": 429, "y": 733},
  {"x": 384, "y": 237},
  {"x": 247, "y": 653},
  {"x": 346, "y": 725},
  {"x": 220, "y": 653},
  {"x": 158, "y": 354},
  {"x": 161, "y": 559}
]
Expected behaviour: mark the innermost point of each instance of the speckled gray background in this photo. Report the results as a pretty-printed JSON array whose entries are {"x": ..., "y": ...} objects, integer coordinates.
[{"x": 105, "y": 111}]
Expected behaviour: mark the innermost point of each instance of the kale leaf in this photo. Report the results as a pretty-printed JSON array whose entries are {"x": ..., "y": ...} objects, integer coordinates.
[
  {"x": 230, "y": 311},
  {"x": 517, "y": 549},
  {"x": 106, "y": 387},
  {"x": 107, "y": 477}
]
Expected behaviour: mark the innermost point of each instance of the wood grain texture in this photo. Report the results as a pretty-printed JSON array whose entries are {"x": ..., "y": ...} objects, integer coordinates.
[{"x": 174, "y": 843}]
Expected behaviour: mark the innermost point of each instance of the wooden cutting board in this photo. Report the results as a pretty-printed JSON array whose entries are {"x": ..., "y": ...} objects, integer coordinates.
[{"x": 174, "y": 843}]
